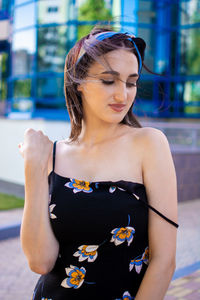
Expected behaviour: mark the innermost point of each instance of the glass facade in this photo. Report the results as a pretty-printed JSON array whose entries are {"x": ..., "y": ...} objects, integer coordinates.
[
  {"x": 31, "y": 74},
  {"x": 4, "y": 53}
]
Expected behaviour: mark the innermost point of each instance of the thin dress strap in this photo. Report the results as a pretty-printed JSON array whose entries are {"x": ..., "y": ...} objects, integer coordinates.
[
  {"x": 160, "y": 214},
  {"x": 54, "y": 154}
]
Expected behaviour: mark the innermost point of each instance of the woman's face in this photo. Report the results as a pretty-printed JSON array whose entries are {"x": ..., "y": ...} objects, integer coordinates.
[{"x": 103, "y": 87}]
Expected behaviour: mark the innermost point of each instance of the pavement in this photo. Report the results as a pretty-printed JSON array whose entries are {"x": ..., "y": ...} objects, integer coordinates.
[{"x": 17, "y": 281}]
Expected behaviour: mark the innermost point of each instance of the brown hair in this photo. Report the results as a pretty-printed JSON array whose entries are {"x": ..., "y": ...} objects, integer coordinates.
[{"x": 76, "y": 70}]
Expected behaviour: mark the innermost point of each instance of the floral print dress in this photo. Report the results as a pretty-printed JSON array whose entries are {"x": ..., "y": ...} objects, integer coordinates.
[{"x": 102, "y": 230}]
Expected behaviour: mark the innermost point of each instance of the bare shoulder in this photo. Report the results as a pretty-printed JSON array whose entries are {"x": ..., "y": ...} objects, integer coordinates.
[
  {"x": 153, "y": 145},
  {"x": 147, "y": 138},
  {"x": 157, "y": 162},
  {"x": 156, "y": 158},
  {"x": 150, "y": 135}
]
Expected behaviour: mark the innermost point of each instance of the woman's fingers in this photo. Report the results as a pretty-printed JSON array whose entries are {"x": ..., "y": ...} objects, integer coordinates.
[{"x": 20, "y": 146}]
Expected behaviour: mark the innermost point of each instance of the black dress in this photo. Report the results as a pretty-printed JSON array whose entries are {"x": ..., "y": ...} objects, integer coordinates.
[{"x": 102, "y": 230}]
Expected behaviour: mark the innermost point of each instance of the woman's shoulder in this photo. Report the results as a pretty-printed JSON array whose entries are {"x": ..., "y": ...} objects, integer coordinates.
[
  {"x": 149, "y": 140},
  {"x": 154, "y": 147},
  {"x": 154, "y": 137},
  {"x": 147, "y": 131},
  {"x": 146, "y": 134}
]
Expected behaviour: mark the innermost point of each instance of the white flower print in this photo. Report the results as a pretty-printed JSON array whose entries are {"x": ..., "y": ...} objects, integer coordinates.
[
  {"x": 113, "y": 188},
  {"x": 88, "y": 252},
  {"x": 122, "y": 234},
  {"x": 51, "y": 207},
  {"x": 76, "y": 277}
]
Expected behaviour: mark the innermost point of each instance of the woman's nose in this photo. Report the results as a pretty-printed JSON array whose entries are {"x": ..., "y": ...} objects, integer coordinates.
[{"x": 120, "y": 92}]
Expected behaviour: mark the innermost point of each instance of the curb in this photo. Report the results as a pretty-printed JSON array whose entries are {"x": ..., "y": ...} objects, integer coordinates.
[
  {"x": 10, "y": 231},
  {"x": 186, "y": 270}
]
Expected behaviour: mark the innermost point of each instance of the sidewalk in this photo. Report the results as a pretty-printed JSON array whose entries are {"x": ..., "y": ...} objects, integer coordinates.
[
  {"x": 187, "y": 287},
  {"x": 17, "y": 280}
]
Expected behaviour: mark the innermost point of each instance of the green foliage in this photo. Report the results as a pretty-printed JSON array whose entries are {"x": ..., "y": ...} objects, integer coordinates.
[
  {"x": 3, "y": 91},
  {"x": 22, "y": 88},
  {"x": 193, "y": 54},
  {"x": 193, "y": 63},
  {"x": 3, "y": 71},
  {"x": 51, "y": 37},
  {"x": 4, "y": 64},
  {"x": 10, "y": 202},
  {"x": 92, "y": 10}
]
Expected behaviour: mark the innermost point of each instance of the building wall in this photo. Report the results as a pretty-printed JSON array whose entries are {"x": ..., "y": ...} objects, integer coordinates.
[{"x": 12, "y": 133}]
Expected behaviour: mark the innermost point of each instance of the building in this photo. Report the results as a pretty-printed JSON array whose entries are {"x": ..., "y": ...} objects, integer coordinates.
[{"x": 42, "y": 32}]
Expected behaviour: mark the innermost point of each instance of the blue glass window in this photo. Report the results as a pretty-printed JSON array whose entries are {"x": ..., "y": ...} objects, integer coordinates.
[
  {"x": 24, "y": 16},
  {"x": 190, "y": 12},
  {"x": 23, "y": 52},
  {"x": 190, "y": 54}
]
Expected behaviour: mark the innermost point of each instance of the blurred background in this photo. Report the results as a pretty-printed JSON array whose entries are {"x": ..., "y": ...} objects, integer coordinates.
[{"x": 35, "y": 37}]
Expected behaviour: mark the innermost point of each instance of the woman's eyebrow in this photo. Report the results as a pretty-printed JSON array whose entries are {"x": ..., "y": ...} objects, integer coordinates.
[{"x": 116, "y": 73}]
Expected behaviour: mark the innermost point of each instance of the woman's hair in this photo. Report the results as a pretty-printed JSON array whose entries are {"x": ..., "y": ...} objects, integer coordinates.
[{"x": 78, "y": 61}]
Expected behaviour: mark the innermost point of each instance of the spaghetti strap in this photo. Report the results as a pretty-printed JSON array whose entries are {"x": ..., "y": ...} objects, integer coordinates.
[
  {"x": 54, "y": 154},
  {"x": 160, "y": 214}
]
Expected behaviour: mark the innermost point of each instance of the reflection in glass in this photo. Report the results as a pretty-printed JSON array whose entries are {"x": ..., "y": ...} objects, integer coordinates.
[
  {"x": 52, "y": 48},
  {"x": 145, "y": 90},
  {"x": 57, "y": 11},
  {"x": 23, "y": 51},
  {"x": 50, "y": 88},
  {"x": 22, "y": 105},
  {"x": 22, "y": 88},
  {"x": 24, "y": 16},
  {"x": 191, "y": 96},
  {"x": 87, "y": 12},
  {"x": 56, "y": 104},
  {"x": 190, "y": 54},
  {"x": 190, "y": 12},
  {"x": 17, "y": 2},
  {"x": 4, "y": 4},
  {"x": 146, "y": 12},
  {"x": 149, "y": 36},
  {"x": 3, "y": 75}
]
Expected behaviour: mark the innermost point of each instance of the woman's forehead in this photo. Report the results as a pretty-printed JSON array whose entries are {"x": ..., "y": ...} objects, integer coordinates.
[{"x": 119, "y": 61}]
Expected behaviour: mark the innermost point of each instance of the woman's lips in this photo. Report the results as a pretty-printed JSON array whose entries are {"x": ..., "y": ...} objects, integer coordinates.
[{"x": 118, "y": 108}]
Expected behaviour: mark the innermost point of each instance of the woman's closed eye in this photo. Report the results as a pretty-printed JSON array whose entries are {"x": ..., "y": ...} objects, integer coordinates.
[{"x": 109, "y": 82}]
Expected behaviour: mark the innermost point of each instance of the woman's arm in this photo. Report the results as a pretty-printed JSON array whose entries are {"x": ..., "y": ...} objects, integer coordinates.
[
  {"x": 37, "y": 239},
  {"x": 161, "y": 187}
]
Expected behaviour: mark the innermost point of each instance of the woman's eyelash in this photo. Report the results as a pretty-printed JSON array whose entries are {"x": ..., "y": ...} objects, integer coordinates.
[
  {"x": 107, "y": 81},
  {"x": 111, "y": 82},
  {"x": 132, "y": 84}
]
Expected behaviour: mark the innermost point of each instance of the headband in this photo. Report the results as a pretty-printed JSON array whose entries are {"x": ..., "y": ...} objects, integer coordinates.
[{"x": 106, "y": 34}]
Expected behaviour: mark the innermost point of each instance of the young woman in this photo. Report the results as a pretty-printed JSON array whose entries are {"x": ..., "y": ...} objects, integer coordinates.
[{"x": 100, "y": 208}]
